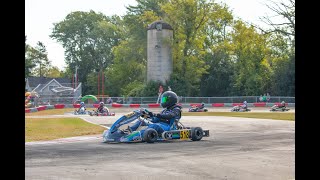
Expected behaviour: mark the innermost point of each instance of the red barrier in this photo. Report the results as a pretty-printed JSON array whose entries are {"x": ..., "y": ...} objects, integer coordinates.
[
  {"x": 154, "y": 105},
  {"x": 96, "y": 105},
  {"x": 27, "y": 110},
  {"x": 218, "y": 104},
  {"x": 41, "y": 108},
  {"x": 135, "y": 105},
  {"x": 59, "y": 106},
  {"x": 116, "y": 105},
  {"x": 195, "y": 104},
  {"x": 76, "y": 105},
  {"x": 259, "y": 104},
  {"x": 237, "y": 104}
]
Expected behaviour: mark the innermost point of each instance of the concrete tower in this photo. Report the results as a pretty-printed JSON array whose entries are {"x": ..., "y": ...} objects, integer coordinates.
[{"x": 160, "y": 36}]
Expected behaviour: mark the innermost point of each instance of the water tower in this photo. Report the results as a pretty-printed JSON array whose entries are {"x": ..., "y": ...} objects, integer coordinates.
[{"x": 159, "y": 51}]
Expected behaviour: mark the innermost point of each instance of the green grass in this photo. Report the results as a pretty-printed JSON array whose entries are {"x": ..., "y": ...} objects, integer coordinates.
[
  {"x": 54, "y": 111},
  {"x": 259, "y": 115},
  {"x": 38, "y": 129}
]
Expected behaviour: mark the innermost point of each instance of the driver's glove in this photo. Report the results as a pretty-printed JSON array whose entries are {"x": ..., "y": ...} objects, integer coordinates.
[{"x": 151, "y": 114}]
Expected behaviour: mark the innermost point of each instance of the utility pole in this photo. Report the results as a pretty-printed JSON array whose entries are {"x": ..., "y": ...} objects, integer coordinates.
[{"x": 76, "y": 77}]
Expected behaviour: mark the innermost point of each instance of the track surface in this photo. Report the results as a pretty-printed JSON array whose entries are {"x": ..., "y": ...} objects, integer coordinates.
[{"x": 238, "y": 148}]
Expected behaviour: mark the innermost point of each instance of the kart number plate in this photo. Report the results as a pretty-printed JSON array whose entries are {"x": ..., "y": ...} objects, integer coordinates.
[{"x": 184, "y": 134}]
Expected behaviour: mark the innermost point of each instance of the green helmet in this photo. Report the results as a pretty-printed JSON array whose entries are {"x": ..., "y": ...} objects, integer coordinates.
[{"x": 168, "y": 99}]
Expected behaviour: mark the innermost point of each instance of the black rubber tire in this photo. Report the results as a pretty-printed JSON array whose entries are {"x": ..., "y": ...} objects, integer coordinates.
[
  {"x": 205, "y": 110},
  {"x": 196, "y": 133},
  {"x": 150, "y": 135}
]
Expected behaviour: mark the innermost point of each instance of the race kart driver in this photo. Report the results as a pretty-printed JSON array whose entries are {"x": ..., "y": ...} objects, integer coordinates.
[{"x": 162, "y": 121}]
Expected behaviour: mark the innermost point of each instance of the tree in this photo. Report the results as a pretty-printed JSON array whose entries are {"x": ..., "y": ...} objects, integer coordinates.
[
  {"x": 88, "y": 39},
  {"x": 283, "y": 22},
  {"x": 29, "y": 63},
  {"x": 41, "y": 59},
  {"x": 283, "y": 45},
  {"x": 251, "y": 54},
  {"x": 218, "y": 80},
  {"x": 188, "y": 18},
  {"x": 54, "y": 72}
]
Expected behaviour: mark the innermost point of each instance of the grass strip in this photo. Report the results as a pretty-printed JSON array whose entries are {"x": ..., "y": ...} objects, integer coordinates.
[
  {"x": 54, "y": 128},
  {"x": 258, "y": 115}
]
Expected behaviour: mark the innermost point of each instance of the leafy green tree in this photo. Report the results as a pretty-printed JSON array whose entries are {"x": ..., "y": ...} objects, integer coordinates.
[
  {"x": 218, "y": 80},
  {"x": 29, "y": 62},
  {"x": 188, "y": 18},
  {"x": 88, "y": 39},
  {"x": 252, "y": 70},
  {"x": 54, "y": 72},
  {"x": 37, "y": 60}
]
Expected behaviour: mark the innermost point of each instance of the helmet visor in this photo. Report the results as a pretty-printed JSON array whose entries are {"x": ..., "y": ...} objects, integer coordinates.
[{"x": 164, "y": 99}]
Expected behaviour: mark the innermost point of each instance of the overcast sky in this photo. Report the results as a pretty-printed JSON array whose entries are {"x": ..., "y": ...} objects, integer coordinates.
[{"x": 41, "y": 14}]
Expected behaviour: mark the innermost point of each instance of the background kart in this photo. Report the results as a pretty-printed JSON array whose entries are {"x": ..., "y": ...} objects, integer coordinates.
[
  {"x": 239, "y": 109},
  {"x": 82, "y": 110},
  {"x": 197, "y": 109},
  {"x": 178, "y": 131},
  {"x": 96, "y": 113},
  {"x": 277, "y": 108}
]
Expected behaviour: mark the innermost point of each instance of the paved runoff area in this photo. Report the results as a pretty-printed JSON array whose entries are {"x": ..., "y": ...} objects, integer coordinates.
[{"x": 238, "y": 148}]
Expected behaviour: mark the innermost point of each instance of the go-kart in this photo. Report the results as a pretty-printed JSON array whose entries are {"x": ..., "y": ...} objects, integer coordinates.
[
  {"x": 82, "y": 110},
  {"x": 96, "y": 113},
  {"x": 239, "y": 109},
  {"x": 197, "y": 109},
  {"x": 277, "y": 108},
  {"x": 117, "y": 132}
]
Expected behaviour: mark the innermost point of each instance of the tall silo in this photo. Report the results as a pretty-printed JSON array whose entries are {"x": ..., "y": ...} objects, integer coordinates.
[{"x": 159, "y": 51}]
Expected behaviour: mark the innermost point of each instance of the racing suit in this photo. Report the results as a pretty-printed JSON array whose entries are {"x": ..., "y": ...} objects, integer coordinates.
[
  {"x": 162, "y": 121},
  {"x": 244, "y": 106},
  {"x": 84, "y": 106},
  {"x": 282, "y": 106},
  {"x": 102, "y": 109}
]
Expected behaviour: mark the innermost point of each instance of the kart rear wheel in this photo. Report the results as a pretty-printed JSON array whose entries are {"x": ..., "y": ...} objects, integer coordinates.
[
  {"x": 205, "y": 110},
  {"x": 150, "y": 135},
  {"x": 196, "y": 133}
]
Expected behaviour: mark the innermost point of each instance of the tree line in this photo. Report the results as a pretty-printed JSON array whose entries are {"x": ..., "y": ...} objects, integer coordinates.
[{"x": 214, "y": 53}]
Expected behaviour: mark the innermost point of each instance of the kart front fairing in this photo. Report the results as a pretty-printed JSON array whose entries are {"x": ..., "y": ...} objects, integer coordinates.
[{"x": 115, "y": 134}]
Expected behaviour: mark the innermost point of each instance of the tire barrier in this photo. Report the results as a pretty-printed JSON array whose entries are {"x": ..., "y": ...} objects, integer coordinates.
[
  {"x": 218, "y": 105},
  {"x": 259, "y": 104}
]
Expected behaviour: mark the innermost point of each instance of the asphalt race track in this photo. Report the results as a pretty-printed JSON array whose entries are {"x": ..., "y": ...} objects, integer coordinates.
[{"x": 238, "y": 148}]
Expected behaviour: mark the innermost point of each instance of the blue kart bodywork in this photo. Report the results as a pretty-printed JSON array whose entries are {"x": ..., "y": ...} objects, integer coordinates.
[{"x": 146, "y": 134}]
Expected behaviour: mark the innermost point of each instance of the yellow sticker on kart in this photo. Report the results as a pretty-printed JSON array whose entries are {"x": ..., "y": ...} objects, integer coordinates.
[
  {"x": 129, "y": 114},
  {"x": 184, "y": 134}
]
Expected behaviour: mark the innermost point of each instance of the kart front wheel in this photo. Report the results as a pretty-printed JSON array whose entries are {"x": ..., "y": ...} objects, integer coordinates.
[
  {"x": 150, "y": 135},
  {"x": 196, "y": 133}
]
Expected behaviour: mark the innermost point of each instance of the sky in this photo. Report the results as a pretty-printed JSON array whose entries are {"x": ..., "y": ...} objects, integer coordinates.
[{"x": 41, "y": 14}]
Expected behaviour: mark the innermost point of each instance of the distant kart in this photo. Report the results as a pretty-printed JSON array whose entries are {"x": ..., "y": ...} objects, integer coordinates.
[
  {"x": 277, "y": 108},
  {"x": 239, "y": 109},
  {"x": 197, "y": 109},
  {"x": 117, "y": 133},
  {"x": 96, "y": 113},
  {"x": 82, "y": 110}
]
